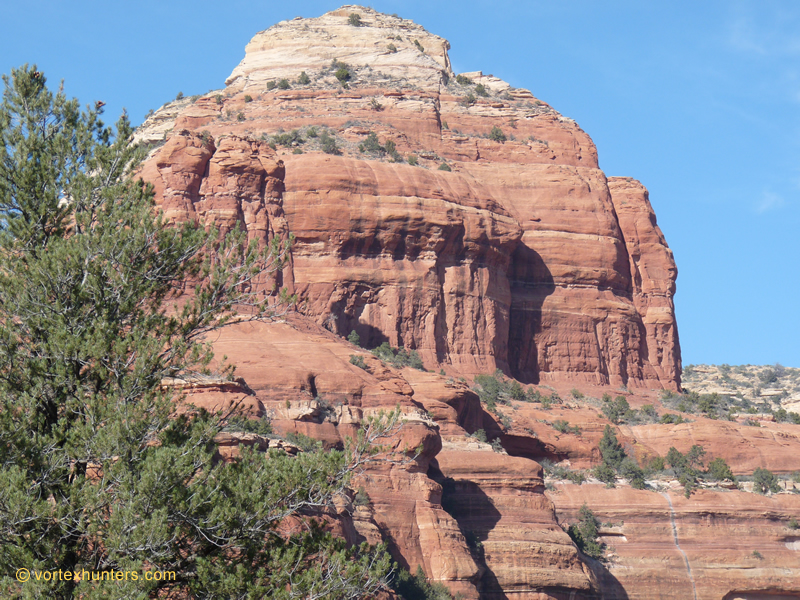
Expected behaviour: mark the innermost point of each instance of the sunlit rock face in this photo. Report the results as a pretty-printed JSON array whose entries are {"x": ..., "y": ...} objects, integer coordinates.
[{"x": 522, "y": 256}]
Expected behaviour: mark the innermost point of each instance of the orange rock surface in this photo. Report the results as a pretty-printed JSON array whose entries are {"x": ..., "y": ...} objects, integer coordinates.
[{"x": 519, "y": 257}]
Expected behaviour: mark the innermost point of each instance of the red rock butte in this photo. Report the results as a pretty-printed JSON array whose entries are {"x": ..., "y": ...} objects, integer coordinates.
[
  {"x": 521, "y": 256},
  {"x": 465, "y": 219}
]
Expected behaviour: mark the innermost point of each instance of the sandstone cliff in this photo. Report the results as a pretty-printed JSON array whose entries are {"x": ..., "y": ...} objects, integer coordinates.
[
  {"x": 522, "y": 255},
  {"x": 483, "y": 236}
]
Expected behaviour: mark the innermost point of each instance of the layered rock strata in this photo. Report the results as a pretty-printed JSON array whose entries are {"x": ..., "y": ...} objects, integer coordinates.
[{"x": 519, "y": 256}]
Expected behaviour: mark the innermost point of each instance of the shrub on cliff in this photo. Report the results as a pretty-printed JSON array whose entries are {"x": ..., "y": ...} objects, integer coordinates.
[
  {"x": 398, "y": 357},
  {"x": 497, "y": 135},
  {"x": 718, "y": 470},
  {"x": 328, "y": 144},
  {"x": 97, "y": 471},
  {"x": 586, "y": 533},
  {"x": 764, "y": 481},
  {"x": 417, "y": 587},
  {"x": 355, "y": 20}
]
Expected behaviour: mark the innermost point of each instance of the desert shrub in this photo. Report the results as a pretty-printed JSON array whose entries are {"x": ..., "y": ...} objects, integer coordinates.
[
  {"x": 303, "y": 442},
  {"x": 354, "y": 338},
  {"x": 248, "y": 98},
  {"x": 417, "y": 587},
  {"x": 654, "y": 465},
  {"x": 419, "y": 46},
  {"x": 304, "y": 79},
  {"x": 497, "y": 134},
  {"x": 576, "y": 393},
  {"x": 718, "y": 470},
  {"x": 480, "y": 90},
  {"x": 463, "y": 80},
  {"x": 271, "y": 85},
  {"x": 632, "y": 472},
  {"x": 179, "y": 96},
  {"x": 343, "y": 75},
  {"x": 372, "y": 145},
  {"x": 297, "y": 151},
  {"x": 398, "y": 357},
  {"x": 375, "y": 105},
  {"x": 391, "y": 48},
  {"x": 649, "y": 411},
  {"x": 361, "y": 498},
  {"x": 262, "y": 426},
  {"x": 240, "y": 117},
  {"x": 218, "y": 98},
  {"x": 610, "y": 448},
  {"x": 496, "y": 445},
  {"x": 444, "y": 167},
  {"x": 563, "y": 426},
  {"x": 328, "y": 144},
  {"x": 668, "y": 419},
  {"x": 355, "y": 20},
  {"x": 686, "y": 467},
  {"x": 479, "y": 435},
  {"x": 290, "y": 138},
  {"x": 764, "y": 481},
  {"x": 605, "y": 473},
  {"x": 496, "y": 389},
  {"x": 586, "y": 533},
  {"x": 618, "y": 410},
  {"x": 391, "y": 150},
  {"x": 358, "y": 360},
  {"x": 412, "y": 160},
  {"x": 793, "y": 524},
  {"x": 283, "y": 84},
  {"x": 312, "y": 132},
  {"x": 468, "y": 100}
]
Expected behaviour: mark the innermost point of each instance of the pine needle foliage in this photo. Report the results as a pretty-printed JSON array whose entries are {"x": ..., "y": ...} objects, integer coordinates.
[{"x": 101, "y": 301}]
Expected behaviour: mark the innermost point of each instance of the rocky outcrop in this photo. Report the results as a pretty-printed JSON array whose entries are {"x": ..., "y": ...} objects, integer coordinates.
[{"x": 518, "y": 256}]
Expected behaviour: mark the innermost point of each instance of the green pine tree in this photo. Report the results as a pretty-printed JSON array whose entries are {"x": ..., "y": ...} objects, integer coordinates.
[{"x": 96, "y": 470}]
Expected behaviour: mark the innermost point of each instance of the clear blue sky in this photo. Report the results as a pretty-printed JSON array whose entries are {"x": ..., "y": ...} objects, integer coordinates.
[{"x": 698, "y": 100}]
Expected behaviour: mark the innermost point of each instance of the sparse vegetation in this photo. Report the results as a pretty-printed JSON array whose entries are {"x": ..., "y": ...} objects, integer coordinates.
[
  {"x": 271, "y": 85},
  {"x": 463, "y": 80},
  {"x": 304, "y": 79},
  {"x": 417, "y": 587},
  {"x": 444, "y": 167},
  {"x": 479, "y": 435},
  {"x": 419, "y": 46},
  {"x": 468, "y": 100},
  {"x": 283, "y": 84},
  {"x": 240, "y": 423},
  {"x": 398, "y": 357},
  {"x": 358, "y": 360},
  {"x": 391, "y": 48},
  {"x": 412, "y": 160},
  {"x": 248, "y": 98},
  {"x": 586, "y": 533},
  {"x": 328, "y": 144},
  {"x": 290, "y": 138},
  {"x": 375, "y": 105},
  {"x": 480, "y": 90},
  {"x": 764, "y": 481},
  {"x": 391, "y": 150},
  {"x": 218, "y": 98},
  {"x": 563, "y": 426},
  {"x": 354, "y": 338},
  {"x": 497, "y": 134}
]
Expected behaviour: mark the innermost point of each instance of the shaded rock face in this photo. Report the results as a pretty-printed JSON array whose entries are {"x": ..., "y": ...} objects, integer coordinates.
[{"x": 522, "y": 256}]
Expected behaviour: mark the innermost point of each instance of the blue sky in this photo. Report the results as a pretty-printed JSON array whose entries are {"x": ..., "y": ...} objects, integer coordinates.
[{"x": 698, "y": 100}]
